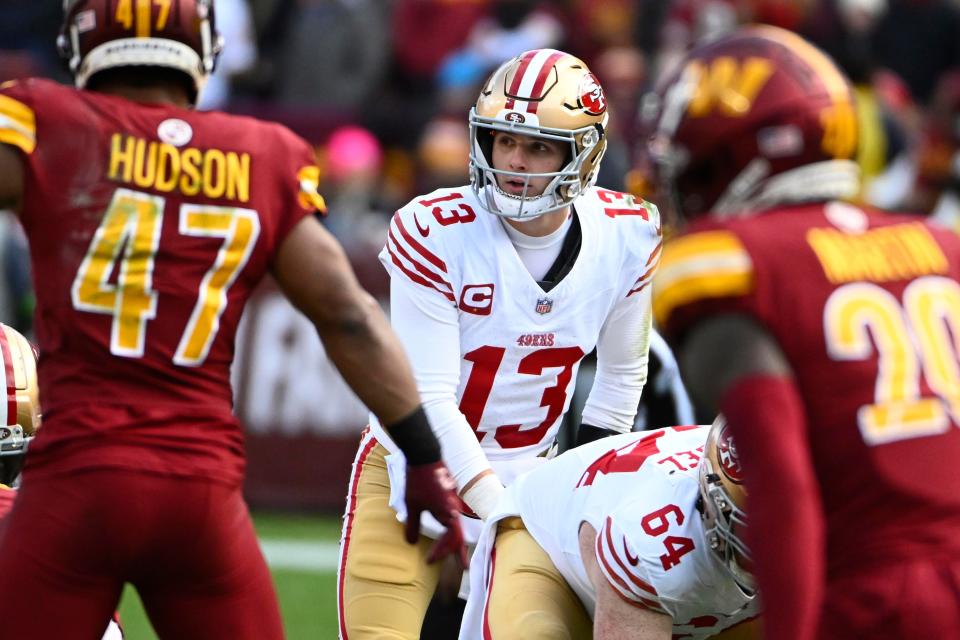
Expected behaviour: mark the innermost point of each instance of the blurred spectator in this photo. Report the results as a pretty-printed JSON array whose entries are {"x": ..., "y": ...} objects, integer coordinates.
[
  {"x": 352, "y": 161},
  {"x": 426, "y": 31},
  {"x": 937, "y": 188},
  {"x": 236, "y": 26},
  {"x": 16, "y": 293},
  {"x": 622, "y": 72},
  {"x": 595, "y": 25},
  {"x": 442, "y": 154},
  {"x": 334, "y": 53},
  {"x": 510, "y": 28},
  {"x": 844, "y": 29},
  {"x": 919, "y": 40},
  {"x": 28, "y": 33}
]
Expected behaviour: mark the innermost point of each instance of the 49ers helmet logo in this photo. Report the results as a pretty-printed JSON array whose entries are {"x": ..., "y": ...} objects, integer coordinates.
[
  {"x": 514, "y": 116},
  {"x": 727, "y": 456},
  {"x": 591, "y": 95}
]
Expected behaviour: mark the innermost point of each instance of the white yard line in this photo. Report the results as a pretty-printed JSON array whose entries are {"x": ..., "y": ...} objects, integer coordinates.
[{"x": 300, "y": 555}]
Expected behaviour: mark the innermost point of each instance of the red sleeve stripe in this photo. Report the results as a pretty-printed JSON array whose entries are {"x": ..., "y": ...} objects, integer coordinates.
[
  {"x": 637, "y": 289},
  {"x": 645, "y": 279},
  {"x": 419, "y": 248},
  {"x": 608, "y": 538},
  {"x": 10, "y": 406},
  {"x": 655, "y": 253},
  {"x": 416, "y": 278},
  {"x": 416, "y": 265},
  {"x": 616, "y": 581}
]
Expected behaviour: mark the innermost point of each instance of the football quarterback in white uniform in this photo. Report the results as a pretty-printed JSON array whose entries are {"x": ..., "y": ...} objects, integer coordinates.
[
  {"x": 498, "y": 291},
  {"x": 647, "y": 521}
]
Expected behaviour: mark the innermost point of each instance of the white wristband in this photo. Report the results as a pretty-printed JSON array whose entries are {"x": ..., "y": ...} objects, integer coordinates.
[{"x": 483, "y": 495}]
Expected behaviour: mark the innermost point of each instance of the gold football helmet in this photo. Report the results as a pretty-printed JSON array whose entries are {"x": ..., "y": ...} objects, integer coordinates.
[
  {"x": 722, "y": 504},
  {"x": 20, "y": 412},
  {"x": 547, "y": 94}
]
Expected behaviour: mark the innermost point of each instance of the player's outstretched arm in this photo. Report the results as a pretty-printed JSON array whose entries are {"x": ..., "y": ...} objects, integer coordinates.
[
  {"x": 11, "y": 177},
  {"x": 614, "y": 618},
  {"x": 313, "y": 271}
]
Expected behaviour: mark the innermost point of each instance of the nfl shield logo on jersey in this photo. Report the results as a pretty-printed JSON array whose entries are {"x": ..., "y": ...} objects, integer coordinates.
[{"x": 544, "y": 305}]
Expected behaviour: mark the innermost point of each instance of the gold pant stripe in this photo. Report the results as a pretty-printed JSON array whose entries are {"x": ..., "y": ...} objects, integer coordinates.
[{"x": 385, "y": 583}]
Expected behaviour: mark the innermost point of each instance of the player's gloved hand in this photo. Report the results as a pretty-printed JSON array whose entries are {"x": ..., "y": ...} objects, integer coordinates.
[
  {"x": 430, "y": 487},
  {"x": 589, "y": 433}
]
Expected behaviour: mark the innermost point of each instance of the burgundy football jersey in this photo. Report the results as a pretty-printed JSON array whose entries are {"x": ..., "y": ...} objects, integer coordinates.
[
  {"x": 149, "y": 227},
  {"x": 866, "y": 307}
]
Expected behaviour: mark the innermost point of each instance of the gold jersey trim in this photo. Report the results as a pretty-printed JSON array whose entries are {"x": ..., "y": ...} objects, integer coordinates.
[
  {"x": 18, "y": 124},
  {"x": 710, "y": 264}
]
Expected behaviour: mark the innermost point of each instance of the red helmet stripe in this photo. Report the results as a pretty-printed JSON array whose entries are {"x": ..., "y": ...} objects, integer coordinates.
[
  {"x": 518, "y": 77},
  {"x": 542, "y": 80},
  {"x": 10, "y": 406}
]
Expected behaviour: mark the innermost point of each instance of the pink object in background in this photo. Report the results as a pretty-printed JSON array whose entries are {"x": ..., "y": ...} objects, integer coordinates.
[{"x": 351, "y": 150}]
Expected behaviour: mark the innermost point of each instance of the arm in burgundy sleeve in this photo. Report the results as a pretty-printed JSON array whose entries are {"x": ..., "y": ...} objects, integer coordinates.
[
  {"x": 734, "y": 366},
  {"x": 766, "y": 416}
]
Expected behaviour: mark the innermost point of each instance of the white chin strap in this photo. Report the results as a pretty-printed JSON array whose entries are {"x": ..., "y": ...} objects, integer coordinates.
[{"x": 514, "y": 207}]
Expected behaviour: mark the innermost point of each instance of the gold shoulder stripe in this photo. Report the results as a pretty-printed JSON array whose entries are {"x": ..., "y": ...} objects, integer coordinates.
[
  {"x": 309, "y": 178},
  {"x": 710, "y": 264},
  {"x": 18, "y": 124}
]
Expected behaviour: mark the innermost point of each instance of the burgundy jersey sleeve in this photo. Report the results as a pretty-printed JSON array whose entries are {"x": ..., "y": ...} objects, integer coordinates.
[{"x": 149, "y": 228}]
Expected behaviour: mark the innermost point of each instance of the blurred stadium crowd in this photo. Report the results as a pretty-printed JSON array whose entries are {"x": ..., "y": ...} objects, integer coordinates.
[{"x": 382, "y": 88}]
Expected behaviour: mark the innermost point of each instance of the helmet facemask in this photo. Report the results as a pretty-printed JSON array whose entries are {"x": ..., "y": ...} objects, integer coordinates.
[
  {"x": 721, "y": 506},
  {"x": 586, "y": 144}
]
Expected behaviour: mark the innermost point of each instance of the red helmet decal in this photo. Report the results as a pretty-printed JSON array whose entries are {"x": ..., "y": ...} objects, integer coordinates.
[
  {"x": 727, "y": 456},
  {"x": 591, "y": 95}
]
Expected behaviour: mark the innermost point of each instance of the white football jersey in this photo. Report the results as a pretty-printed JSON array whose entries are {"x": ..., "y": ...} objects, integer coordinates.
[
  {"x": 639, "y": 491},
  {"x": 520, "y": 346}
]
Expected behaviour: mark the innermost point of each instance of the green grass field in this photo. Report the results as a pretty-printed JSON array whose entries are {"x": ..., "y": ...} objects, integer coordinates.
[{"x": 301, "y": 551}]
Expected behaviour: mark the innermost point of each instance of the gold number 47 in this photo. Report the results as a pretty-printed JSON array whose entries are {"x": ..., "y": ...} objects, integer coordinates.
[{"x": 132, "y": 225}]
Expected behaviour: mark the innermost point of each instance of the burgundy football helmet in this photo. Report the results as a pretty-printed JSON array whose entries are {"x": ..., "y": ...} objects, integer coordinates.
[
  {"x": 104, "y": 34},
  {"x": 754, "y": 119}
]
